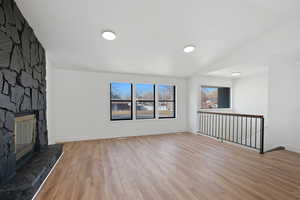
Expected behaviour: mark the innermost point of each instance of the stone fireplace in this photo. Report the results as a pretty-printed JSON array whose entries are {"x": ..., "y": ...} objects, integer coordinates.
[
  {"x": 25, "y": 156},
  {"x": 22, "y": 84}
]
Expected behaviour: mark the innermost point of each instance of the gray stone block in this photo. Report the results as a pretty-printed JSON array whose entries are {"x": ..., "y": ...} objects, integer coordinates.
[
  {"x": 34, "y": 54},
  {"x": 2, "y": 17},
  {"x": 5, "y": 103},
  {"x": 26, "y": 104},
  {"x": 28, "y": 91},
  {"x": 1, "y": 144},
  {"x": 1, "y": 81},
  {"x": 37, "y": 75},
  {"x": 41, "y": 102},
  {"x": 5, "y": 88},
  {"x": 41, "y": 115},
  {"x": 17, "y": 93},
  {"x": 13, "y": 33},
  {"x": 16, "y": 61},
  {"x": 6, "y": 47},
  {"x": 10, "y": 76},
  {"x": 8, "y": 4},
  {"x": 10, "y": 121},
  {"x": 27, "y": 80},
  {"x": 34, "y": 98},
  {"x": 2, "y": 118},
  {"x": 18, "y": 18}
]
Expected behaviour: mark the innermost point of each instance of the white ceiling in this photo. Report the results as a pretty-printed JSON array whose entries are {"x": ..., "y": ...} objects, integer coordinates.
[
  {"x": 245, "y": 70},
  {"x": 151, "y": 34}
]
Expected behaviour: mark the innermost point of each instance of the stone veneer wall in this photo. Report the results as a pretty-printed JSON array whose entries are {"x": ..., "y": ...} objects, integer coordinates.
[{"x": 22, "y": 81}]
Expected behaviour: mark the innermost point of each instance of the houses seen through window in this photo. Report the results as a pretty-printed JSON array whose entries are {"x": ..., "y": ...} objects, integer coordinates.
[
  {"x": 145, "y": 101},
  {"x": 215, "y": 97},
  {"x": 166, "y": 96},
  {"x": 121, "y": 101}
]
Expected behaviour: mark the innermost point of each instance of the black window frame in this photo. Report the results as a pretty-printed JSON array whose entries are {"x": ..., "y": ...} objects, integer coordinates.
[
  {"x": 217, "y": 87},
  {"x": 145, "y": 101},
  {"x": 129, "y": 101},
  {"x": 172, "y": 101}
]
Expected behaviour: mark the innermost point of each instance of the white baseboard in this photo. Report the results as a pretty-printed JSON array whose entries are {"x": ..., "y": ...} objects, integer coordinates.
[
  {"x": 293, "y": 148},
  {"x": 74, "y": 139}
]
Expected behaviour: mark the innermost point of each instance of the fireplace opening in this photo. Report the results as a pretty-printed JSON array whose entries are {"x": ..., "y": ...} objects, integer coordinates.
[{"x": 25, "y": 137}]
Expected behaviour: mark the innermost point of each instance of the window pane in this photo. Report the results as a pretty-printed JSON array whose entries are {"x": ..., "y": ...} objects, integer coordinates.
[
  {"x": 120, "y": 91},
  {"x": 145, "y": 92},
  {"x": 223, "y": 97},
  {"x": 166, "y": 92},
  {"x": 209, "y": 97},
  {"x": 120, "y": 110},
  {"x": 166, "y": 109},
  {"x": 145, "y": 110},
  {"x": 215, "y": 97}
]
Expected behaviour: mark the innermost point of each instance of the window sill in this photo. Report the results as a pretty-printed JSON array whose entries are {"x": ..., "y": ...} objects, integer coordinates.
[{"x": 143, "y": 120}]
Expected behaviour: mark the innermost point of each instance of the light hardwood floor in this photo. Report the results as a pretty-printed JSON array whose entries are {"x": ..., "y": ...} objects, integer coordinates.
[{"x": 171, "y": 167}]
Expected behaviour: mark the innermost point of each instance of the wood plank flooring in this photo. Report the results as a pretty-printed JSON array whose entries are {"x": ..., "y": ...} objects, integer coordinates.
[{"x": 171, "y": 167}]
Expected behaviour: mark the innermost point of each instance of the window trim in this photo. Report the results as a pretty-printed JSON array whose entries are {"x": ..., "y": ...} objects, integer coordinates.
[
  {"x": 145, "y": 101},
  {"x": 209, "y": 86},
  {"x": 172, "y": 101},
  {"x": 129, "y": 101}
]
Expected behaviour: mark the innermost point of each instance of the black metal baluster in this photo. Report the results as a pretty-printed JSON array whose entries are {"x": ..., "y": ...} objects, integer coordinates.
[
  {"x": 200, "y": 123},
  {"x": 246, "y": 135},
  {"x": 256, "y": 133},
  {"x": 229, "y": 127},
  {"x": 219, "y": 126},
  {"x": 237, "y": 129},
  {"x": 201, "y": 114},
  {"x": 251, "y": 131},
  {"x": 233, "y": 127},
  {"x": 225, "y": 127},
  {"x": 262, "y": 133},
  {"x": 213, "y": 125},
  {"x": 207, "y": 124},
  {"x": 216, "y": 128},
  {"x": 204, "y": 125},
  {"x": 210, "y": 124},
  {"x": 222, "y": 128},
  {"x": 242, "y": 130}
]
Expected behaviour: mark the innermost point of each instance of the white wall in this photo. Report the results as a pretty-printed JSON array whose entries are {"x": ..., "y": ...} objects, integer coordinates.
[
  {"x": 250, "y": 94},
  {"x": 194, "y": 85},
  {"x": 284, "y": 105},
  {"x": 81, "y": 106},
  {"x": 49, "y": 81}
]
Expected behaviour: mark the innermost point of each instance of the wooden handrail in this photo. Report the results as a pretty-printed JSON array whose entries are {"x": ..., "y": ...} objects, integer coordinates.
[{"x": 232, "y": 114}]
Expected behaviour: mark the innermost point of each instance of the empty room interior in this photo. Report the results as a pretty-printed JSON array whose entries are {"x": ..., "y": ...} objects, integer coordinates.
[{"x": 149, "y": 100}]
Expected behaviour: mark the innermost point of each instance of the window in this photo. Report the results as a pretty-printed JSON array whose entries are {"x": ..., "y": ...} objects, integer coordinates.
[
  {"x": 121, "y": 101},
  {"x": 215, "y": 97},
  {"x": 145, "y": 101},
  {"x": 166, "y": 97}
]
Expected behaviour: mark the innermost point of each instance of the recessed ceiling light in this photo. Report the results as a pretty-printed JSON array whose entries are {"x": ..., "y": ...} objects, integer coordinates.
[
  {"x": 109, "y": 35},
  {"x": 189, "y": 49},
  {"x": 235, "y": 73}
]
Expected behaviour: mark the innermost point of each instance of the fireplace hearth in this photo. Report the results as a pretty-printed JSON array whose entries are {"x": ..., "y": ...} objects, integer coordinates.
[{"x": 31, "y": 175}]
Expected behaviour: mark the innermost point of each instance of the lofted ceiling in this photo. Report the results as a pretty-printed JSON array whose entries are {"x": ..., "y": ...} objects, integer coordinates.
[{"x": 151, "y": 34}]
